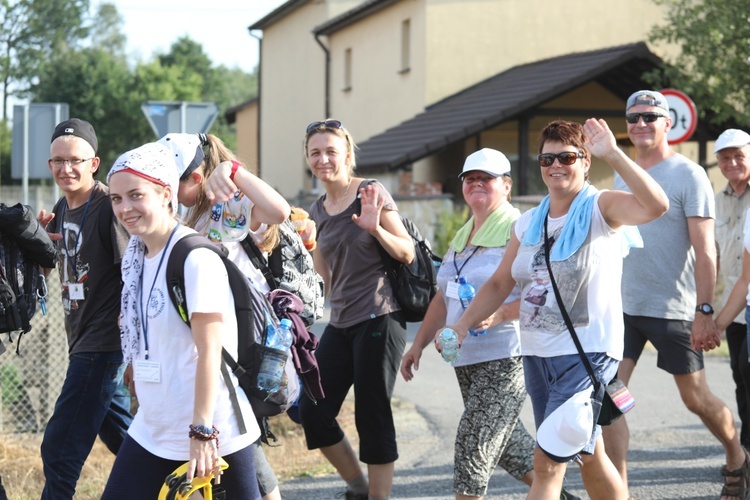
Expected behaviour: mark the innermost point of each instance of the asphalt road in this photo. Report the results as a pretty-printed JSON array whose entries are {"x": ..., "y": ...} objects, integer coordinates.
[{"x": 672, "y": 455}]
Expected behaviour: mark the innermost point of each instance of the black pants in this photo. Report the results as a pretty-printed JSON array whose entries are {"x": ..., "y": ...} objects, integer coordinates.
[{"x": 737, "y": 342}]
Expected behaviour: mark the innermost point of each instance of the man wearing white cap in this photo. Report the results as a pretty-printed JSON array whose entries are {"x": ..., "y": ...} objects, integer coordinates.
[
  {"x": 732, "y": 152},
  {"x": 668, "y": 286}
]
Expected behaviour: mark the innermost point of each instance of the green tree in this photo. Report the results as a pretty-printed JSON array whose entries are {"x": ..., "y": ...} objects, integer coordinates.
[
  {"x": 30, "y": 31},
  {"x": 714, "y": 62},
  {"x": 98, "y": 88}
]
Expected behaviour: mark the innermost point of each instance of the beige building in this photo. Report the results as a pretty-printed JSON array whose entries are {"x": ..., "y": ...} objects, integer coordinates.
[{"x": 422, "y": 83}]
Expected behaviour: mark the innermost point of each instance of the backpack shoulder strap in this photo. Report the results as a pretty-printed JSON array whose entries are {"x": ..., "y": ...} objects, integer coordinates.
[
  {"x": 240, "y": 291},
  {"x": 106, "y": 214},
  {"x": 259, "y": 261}
]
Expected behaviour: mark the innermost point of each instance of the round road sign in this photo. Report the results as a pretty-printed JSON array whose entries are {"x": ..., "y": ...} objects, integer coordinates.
[{"x": 684, "y": 115}]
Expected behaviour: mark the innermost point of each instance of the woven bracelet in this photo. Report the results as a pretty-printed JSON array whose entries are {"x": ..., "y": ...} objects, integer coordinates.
[{"x": 203, "y": 433}]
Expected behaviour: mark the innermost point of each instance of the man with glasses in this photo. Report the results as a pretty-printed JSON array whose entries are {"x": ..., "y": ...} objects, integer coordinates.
[
  {"x": 732, "y": 152},
  {"x": 90, "y": 243},
  {"x": 668, "y": 285}
]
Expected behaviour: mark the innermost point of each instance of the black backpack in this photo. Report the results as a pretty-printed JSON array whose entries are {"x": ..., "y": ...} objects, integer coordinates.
[
  {"x": 290, "y": 267},
  {"x": 254, "y": 313},
  {"x": 414, "y": 285},
  {"x": 25, "y": 248}
]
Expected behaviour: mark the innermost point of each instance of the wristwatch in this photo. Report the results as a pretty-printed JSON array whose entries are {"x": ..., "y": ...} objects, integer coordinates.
[{"x": 705, "y": 308}]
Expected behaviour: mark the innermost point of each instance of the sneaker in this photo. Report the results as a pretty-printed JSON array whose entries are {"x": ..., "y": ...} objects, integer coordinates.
[
  {"x": 566, "y": 495},
  {"x": 350, "y": 495}
]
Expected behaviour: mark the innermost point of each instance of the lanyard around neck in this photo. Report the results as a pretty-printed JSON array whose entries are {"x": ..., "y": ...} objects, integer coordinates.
[
  {"x": 73, "y": 260},
  {"x": 459, "y": 269},
  {"x": 144, "y": 316}
]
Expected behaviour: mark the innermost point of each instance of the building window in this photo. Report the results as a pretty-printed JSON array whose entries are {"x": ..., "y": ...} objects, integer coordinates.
[
  {"x": 405, "y": 46},
  {"x": 347, "y": 70}
]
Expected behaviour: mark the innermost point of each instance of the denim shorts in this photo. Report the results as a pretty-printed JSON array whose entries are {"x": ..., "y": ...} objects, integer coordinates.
[{"x": 550, "y": 382}]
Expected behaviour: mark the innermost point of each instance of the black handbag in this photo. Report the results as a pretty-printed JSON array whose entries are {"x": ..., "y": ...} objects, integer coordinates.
[{"x": 614, "y": 399}]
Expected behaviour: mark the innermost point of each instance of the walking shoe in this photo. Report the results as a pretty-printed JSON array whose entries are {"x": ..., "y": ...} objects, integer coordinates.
[
  {"x": 350, "y": 495},
  {"x": 566, "y": 495}
]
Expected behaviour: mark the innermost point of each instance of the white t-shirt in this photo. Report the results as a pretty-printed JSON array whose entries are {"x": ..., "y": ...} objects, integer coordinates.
[
  {"x": 166, "y": 407},
  {"x": 499, "y": 342},
  {"x": 589, "y": 283}
]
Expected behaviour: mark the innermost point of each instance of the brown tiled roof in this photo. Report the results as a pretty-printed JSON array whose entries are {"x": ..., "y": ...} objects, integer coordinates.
[
  {"x": 503, "y": 97},
  {"x": 352, "y": 15}
]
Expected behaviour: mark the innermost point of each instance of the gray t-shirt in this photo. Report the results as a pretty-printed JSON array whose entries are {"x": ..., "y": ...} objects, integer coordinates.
[
  {"x": 359, "y": 289},
  {"x": 658, "y": 280},
  {"x": 92, "y": 264}
]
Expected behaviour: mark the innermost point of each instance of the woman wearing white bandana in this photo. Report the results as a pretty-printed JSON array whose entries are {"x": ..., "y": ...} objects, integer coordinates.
[{"x": 182, "y": 398}]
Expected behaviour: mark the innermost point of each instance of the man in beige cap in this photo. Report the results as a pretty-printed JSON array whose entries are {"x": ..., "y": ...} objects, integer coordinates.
[
  {"x": 668, "y": 286},
  {"x": 732, "y": 151}
]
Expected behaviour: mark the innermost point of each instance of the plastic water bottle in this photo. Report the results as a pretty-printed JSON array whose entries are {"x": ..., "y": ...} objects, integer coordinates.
[
  {"x": 466, "y": 293},
  {"x": 449, "y": 345},
  {"x": 278, "y": 342}
]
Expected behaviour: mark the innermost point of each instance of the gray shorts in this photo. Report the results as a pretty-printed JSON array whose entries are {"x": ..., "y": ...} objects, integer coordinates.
[{"x": 670, "y": 337}]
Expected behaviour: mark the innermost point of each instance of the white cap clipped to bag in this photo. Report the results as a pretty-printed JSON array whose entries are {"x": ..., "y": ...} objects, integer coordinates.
[
  {"x": 489, "y": 161},
  {"x": 568, "y": 429},
  {"x": 732, "y": 138}
]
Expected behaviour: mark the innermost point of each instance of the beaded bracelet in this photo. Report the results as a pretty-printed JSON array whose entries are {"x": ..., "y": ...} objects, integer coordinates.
[{"x": 203, "y": 433}]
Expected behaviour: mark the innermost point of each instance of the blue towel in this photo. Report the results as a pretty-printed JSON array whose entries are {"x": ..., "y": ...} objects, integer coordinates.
[{"x": 576, "y": 227}]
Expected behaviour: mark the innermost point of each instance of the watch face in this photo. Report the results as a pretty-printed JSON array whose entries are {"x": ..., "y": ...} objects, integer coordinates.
[{"x": 706, "y": 309}]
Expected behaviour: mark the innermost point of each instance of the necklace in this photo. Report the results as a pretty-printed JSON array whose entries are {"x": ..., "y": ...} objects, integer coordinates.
[{"x": 342, "y": 200}]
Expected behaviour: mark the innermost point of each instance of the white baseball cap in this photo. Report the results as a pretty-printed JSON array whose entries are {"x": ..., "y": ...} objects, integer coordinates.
[
  {"x": 187, "y": 150},
  {"x": 568, "y": 429},
  {"x": 731, "y": 138},
  {"x": 489, "y": 161}
]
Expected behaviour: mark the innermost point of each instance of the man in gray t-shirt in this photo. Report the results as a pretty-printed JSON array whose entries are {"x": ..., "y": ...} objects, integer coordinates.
[{"x": 668, "y": 285}]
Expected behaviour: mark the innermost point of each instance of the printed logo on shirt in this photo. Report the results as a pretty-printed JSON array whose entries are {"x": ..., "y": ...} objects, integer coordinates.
[{"x": 156, "y": 303}]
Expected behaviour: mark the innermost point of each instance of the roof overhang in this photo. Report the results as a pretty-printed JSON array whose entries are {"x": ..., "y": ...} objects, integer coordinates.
[{"x": 505, "y": 96}]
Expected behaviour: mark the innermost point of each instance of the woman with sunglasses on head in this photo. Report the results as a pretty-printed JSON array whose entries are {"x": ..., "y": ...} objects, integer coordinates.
[
  {"x": 184, "y": 405},
  {"x": 365, "y": 338},
  {"x": 583, "y": 233}
]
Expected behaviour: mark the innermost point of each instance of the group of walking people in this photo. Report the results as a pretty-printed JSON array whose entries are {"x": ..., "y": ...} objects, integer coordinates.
[{"x": 592, "y": 243}]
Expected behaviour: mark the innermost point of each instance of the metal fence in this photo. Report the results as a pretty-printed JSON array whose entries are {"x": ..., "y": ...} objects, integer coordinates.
[{"x": 31, "y": 380}]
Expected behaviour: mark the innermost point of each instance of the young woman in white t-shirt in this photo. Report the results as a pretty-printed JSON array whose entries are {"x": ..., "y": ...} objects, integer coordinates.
[{"x": 184, "y": 407}]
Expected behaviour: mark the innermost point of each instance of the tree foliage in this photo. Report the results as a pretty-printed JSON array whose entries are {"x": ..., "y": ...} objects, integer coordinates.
[
  {"x": 89, "y": 70},
  {"x": 30, "y": 31},
  {"x": 714, "y": 62}
]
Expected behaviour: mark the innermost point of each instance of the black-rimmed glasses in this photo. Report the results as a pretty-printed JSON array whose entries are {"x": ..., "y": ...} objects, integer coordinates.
[
  {"x": 648, "y": 117},
  {"x": 335, "y": 124},
  {"x": 73, "y": 162},
  {"x": 566, "y": 158}
]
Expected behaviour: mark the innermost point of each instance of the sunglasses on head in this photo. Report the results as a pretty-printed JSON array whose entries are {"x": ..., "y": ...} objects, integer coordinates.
[
  {"x": 566, "y": 158},
  {"x": 335, "y": 124},
  {"x": 647, "y": 117}
]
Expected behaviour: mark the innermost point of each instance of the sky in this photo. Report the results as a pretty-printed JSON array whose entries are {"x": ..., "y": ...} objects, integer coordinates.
[{"x": 220, "y": 26}]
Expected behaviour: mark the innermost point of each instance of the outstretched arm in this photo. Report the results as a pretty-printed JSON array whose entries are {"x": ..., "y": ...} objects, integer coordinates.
[
  {"x": 491, "y": 295},
  {"x": 737, "y": 299}
]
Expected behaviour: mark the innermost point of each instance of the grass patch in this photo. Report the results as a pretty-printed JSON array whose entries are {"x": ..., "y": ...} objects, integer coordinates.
[{"x": 23, "y": 476}]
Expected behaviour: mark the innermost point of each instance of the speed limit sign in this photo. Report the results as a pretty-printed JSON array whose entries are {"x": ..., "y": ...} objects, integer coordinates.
[{"x": 684, "y": 115}]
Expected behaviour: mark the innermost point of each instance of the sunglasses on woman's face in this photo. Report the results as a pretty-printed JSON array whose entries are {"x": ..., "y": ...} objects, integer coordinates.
[
  {"x": 566, "y": 158},
  {"x": 647, "y": 117},
  {"x": 335, "y": 124}
]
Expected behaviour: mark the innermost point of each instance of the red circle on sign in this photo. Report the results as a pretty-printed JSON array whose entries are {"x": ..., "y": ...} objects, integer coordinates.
[{"x": 686, "y": 103}]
